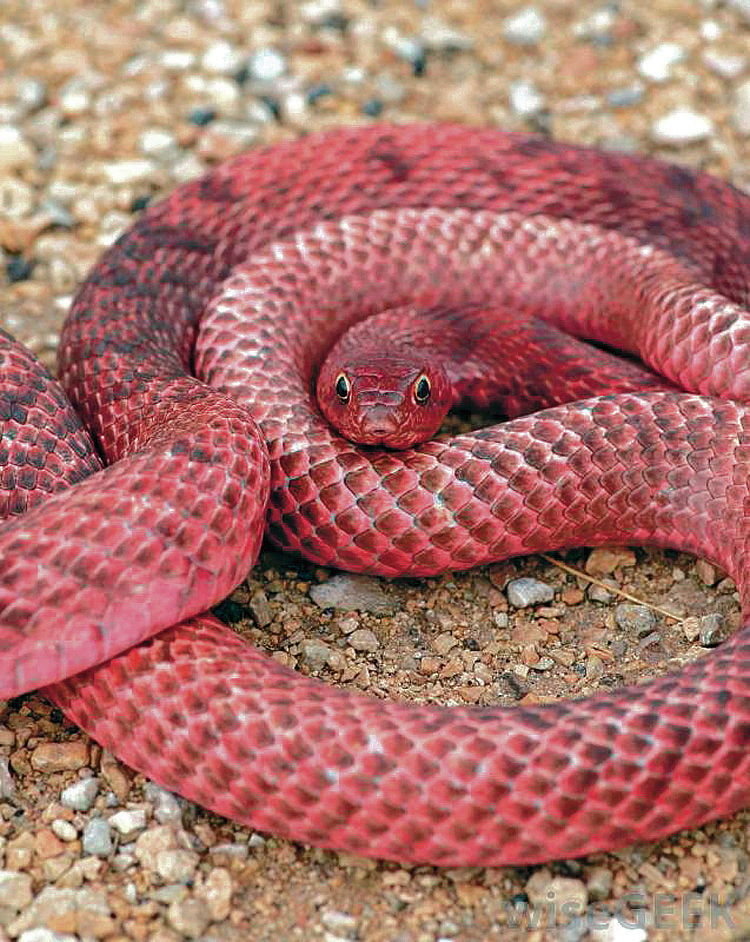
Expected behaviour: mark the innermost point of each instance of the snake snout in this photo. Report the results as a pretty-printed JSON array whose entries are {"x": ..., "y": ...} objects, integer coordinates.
[{"x": 378, "y": 422}]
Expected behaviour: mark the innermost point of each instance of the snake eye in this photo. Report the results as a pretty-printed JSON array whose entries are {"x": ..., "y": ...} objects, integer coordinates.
[
  {"x": 343, "y": 387},
  {"x": 422, "y": 389}
]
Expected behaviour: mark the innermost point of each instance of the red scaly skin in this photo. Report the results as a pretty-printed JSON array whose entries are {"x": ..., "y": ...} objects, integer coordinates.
[{"x": 206, "y": 715}]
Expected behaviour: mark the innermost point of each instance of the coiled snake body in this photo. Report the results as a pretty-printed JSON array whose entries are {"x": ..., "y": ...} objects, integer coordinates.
[{"x": 274, "y": 253}]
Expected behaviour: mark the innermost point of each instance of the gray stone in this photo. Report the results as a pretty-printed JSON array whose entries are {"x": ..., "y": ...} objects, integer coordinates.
[
  {"x": 352, "y": 593},
  {"x": 315, "y": 653},
  {"x": 167, "y": 807},
  {"x": 713, "y": 630},
  {"x": 97, "y": 838},
  {"x": 364, "y": 640},
  {"x": 81, "y": 795},
  {"x": 525, "y": 592},
  {"x": 635, "y": 618}
]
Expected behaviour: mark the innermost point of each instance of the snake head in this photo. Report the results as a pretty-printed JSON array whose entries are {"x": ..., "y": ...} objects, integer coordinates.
[{"x": 395, "y": 399}]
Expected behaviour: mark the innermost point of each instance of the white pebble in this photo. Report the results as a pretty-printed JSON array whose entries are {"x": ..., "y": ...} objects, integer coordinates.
[
  {"x": 657, "y": 64},
  {"x": 46, "y": 935},
  {"x": 157, "y": 142},
  {"x": 525, "y": 99},
  {"x": 525, "y": 28},
  {"x": 682, "y": 126},
  {"x": 266, "y": 65},
  {"x": 64, "y": 830},
  {"x": 135, "y": 170},
  {"x": 710, "y": 30},
  {"x": 177, "y": 60},
  {"x": 129, "y": 823},
  {"x": 75, "y": 99},
  {"x": 221, "y": 58},
  {"x": 15, "y": 151}
]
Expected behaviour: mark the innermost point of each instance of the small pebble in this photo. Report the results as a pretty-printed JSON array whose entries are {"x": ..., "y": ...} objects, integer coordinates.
[
  {"x": 260, "y": 609},
  {"x": 221, "y": 58},
  {"x": 440, "y": 36},
  {"x": 315, "y": 653},
  {"x": 190, "y": 917},
  {"x": 342, "y": 924},
  {"x": 156, "y": 142},
  {"x": 75, "y": 99},
  {"x": 363, "y": 639},
  {"x": 217, "y": 893},
  {"x": 603, "y": 560},
  {"x": 97, "y": 838},
  {"x": 168, "y": 809},
  {"x": 64, "y": 830},
  {"x": 15, "y": 889},
  {"x": 176, "y": 866},
  {"x": 121, "y": 172},
  {"x": 60, "y": 756},
  {"x": 545, "y": 890},
  {"x": 129, "y": 823},
  {"x": 525, "y": 28},
  {"x": 597, "y": 27},
  {"x": 350, "y": 592},
  {"x": 7, "y": 785},
  {"x": 152, "y": 842},
  {"x": 682, "y": 126},
  {"x": 525, "y": 592},
  {"x": 16, "y": 199},
  {"x": 635, "y": 618},
  {"x": 706, "y": 572},
  {"x": 725, "y": 65},
  {"x": 598, "y": 593},
  {"x": 15, "y": 151},
  {"x": 46, "y": 935},
  {"x": 625, "y": 97},
  {"x": 266, "y": 65},
  {"x": 657, "y": 64},
  {"x": 713, "y": 630},
  {"x": 525, "y": 99},
  {"x": 599, "y": 883}
]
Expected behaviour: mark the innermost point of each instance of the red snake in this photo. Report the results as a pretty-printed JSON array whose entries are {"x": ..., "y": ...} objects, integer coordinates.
[{"x": 274, "y": 253}]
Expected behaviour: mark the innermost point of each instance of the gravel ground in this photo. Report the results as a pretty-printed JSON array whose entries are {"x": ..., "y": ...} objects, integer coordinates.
[{"x": 105, "y": 105}]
